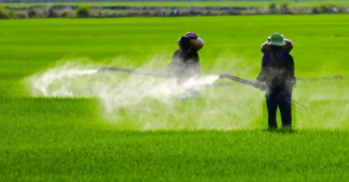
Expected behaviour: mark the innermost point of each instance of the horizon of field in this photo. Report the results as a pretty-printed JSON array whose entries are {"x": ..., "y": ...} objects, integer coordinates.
[{"x": 189, "y": 4}]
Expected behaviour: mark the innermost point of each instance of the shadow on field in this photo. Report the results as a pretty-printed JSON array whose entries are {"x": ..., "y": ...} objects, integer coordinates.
[{"x": 281, "y": 131}]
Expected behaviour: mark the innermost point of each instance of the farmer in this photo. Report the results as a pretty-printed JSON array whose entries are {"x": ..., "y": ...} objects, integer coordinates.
[
  {"x": 277, "y": 78},
  {"x": 185, "y": 63}
]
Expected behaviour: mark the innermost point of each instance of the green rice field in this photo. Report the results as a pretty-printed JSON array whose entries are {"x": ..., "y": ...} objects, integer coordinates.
[{"x": 60, "y": 121}]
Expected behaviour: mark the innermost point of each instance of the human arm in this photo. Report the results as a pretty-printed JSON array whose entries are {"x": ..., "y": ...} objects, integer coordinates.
[
  {"x": 262, "y": 76},
  {"x": 172, "y": 64}
]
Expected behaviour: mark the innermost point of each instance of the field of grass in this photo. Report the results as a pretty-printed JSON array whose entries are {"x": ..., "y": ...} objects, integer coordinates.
[
  {"x": 195, "y": 4},
  {"x": 219, "y": 137}
]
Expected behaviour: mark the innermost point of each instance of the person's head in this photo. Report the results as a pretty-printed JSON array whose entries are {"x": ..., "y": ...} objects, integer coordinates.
[
  {"x": 276, "y": 42},
  {"x": 185, "y": 44},
  {"x": 276, "y": 39}
]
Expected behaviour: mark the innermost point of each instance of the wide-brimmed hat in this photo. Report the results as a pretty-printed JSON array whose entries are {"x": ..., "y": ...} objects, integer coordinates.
[{"x": 277, "y": 40}]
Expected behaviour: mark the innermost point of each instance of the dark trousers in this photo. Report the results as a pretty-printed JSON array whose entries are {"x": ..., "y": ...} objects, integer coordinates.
[{"x": 283, "y": 101}]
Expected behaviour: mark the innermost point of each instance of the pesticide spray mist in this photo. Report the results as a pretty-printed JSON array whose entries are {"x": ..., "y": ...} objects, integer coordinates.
[{"x": 138, "y": 102}]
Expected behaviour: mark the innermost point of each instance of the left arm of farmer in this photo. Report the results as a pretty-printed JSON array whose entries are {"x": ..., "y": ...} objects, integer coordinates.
[
  {"x": 173, "y": 63},
  {"x": 262, "y": 76}
]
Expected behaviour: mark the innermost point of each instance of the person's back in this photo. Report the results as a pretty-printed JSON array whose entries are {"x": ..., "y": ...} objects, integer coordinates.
[
  {"x": 279, "y": 70},
  {"x": 186, "y": 64}
]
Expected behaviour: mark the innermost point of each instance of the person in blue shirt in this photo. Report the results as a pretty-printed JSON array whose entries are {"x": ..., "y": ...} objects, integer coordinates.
[{"x": 277, "y": 78}]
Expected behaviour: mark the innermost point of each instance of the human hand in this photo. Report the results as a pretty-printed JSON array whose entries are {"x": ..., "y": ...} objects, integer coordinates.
[
  {"x": 260, "y": 85},
  {"x": 222, "y": 75}
]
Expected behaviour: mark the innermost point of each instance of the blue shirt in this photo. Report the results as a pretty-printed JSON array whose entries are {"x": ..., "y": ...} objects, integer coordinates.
[
  {"x": 286, "y": 57},
  {"x": 287, "y": 63}
]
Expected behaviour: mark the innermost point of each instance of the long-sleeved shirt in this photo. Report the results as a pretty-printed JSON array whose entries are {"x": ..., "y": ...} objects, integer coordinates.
[
  {"x": 279, "y": 73},
  {"x": 184, "y": 65}
]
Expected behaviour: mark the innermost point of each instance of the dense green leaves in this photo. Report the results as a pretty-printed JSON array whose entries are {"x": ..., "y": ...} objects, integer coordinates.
[{"x": 70, "y": 139}]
